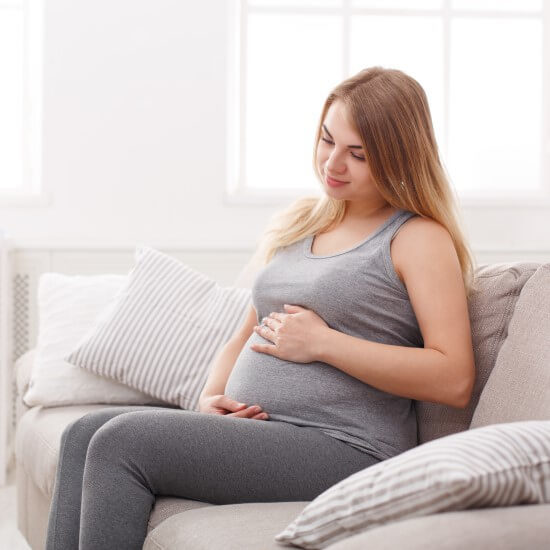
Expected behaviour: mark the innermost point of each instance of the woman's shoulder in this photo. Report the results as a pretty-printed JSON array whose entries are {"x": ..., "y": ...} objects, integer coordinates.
[{"x": 417, "y": 231}]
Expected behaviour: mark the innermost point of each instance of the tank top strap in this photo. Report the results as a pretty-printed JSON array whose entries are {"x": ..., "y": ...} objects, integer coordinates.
[
  {"x": 387, "y": 238},
  {"x": 397, "y": 223}
]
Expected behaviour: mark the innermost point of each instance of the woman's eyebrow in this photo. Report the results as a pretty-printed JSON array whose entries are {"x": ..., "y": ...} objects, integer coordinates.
[{"x": 350, "y": 146}]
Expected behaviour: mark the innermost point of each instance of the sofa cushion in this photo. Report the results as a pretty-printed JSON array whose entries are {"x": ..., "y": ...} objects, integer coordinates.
[
  {"x": 519, "y": 385},
  {"x": 247, "y": 526},
  {"x": 491, "y": 306},
  {"x": 38, "y": 438},
  {"x": 165, "y": 329},
  {"x": 23, "y": 371},
  {"x": 68, "y": 308},
  {"x": 252, "y": 526},
  {"x": 516, "y": 527},
  {"x": 166, "y": 507}
]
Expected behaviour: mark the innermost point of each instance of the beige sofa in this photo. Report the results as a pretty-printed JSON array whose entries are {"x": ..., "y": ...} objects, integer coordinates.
[{"x": 179, "y": 523}]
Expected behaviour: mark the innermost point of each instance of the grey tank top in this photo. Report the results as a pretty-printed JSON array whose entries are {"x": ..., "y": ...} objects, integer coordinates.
[{"x": 357, "y": 292}]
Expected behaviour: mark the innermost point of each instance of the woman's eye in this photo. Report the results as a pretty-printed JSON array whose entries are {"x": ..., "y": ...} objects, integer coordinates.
[{"x": 358, "y": 157}]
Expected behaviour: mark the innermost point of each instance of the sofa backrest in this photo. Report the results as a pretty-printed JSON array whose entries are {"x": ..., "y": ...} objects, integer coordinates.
[
  {"x": 519, "y": 386},
  {"x": 491, "y": 307}
]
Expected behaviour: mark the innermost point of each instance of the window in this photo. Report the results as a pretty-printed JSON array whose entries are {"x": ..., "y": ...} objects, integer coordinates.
[
  {"x": 480, "y": 62},
  {"x": 20, "y": 42}
]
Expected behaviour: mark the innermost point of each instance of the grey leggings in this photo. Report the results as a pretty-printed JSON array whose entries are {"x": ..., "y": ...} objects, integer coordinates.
[{"x": 114, "y": 461}]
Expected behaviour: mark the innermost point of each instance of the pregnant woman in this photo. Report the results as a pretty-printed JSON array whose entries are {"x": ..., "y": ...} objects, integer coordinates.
[{"x": 362, "y": 299}]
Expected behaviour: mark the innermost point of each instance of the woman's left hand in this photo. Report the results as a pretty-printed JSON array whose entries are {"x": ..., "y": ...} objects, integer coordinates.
[{"x": 295, "y": 335}]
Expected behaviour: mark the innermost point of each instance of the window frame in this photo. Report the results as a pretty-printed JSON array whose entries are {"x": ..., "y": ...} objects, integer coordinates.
[
  {"x": 31, "y": 192},
  {"x": 235, "y": 190}
]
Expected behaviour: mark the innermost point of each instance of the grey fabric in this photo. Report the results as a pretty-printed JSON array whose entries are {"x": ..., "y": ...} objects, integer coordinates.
[
  {"x": 491, "y": 307},
  {"x": 114, "y": 462},
  {"x": 33, "y": 509},
  {"x": 356, "y": 292},
  {"x": 523, "y": 363}
]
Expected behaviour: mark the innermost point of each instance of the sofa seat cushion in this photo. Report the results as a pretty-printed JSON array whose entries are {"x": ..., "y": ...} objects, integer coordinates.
[
  {"x": 166, "y": 507},
  {"x": 38, "y": 438},
  {"x": 248, "y": 526},
  {"x": 508, "y": 528},
  {"x": 252, "y": 526}
]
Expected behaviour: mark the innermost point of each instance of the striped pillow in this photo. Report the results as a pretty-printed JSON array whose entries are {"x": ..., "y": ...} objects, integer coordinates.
[
  {"x": 165, "y": 329},
  {"x": 496, "y": 465}
]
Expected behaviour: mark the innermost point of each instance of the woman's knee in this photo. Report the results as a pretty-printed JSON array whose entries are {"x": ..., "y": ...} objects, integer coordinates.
[
  {"x": 116, "y": 436},
  {"x": 80, "y": 431}
]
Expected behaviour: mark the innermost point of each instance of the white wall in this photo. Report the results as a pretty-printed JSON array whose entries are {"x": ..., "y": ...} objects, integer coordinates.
[{"x": 134, "y": 137}]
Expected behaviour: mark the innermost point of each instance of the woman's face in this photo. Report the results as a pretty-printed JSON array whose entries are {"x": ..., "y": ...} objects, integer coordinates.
[{"x": 341, "y": 158}]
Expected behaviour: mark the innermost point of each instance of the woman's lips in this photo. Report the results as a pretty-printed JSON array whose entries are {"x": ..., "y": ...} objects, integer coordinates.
[{"x": 335, "y": 183}]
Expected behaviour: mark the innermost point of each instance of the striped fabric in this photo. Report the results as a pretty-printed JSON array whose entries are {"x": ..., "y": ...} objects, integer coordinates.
[
  {"x": 68, "y": 307},
  {"x": 496, "y": 465},
  {"x": 162, "y": 335}
]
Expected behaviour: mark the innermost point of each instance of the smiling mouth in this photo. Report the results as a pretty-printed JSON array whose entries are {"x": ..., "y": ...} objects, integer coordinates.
[{"x": 333, "y": 181}]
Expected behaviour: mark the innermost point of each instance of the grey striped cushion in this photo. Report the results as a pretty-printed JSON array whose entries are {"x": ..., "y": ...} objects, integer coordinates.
[
  {"x": 496, "y": 465},
  {"x": 165, "y": 329}
]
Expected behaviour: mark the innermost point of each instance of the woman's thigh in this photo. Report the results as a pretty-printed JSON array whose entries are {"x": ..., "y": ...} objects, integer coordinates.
[
  {"x": 219, "y": 458},
  {"x": 76, "y": 435}
]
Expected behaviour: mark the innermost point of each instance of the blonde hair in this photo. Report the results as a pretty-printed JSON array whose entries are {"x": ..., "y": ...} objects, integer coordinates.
[{"x": 389, "y": 110}]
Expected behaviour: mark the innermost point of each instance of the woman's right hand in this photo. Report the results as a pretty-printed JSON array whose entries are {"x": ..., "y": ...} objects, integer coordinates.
[{"x": 222, "y": 404}]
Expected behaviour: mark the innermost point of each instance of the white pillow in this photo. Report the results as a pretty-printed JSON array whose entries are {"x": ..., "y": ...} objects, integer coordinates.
[
  {"x": 496, "y": 465},
  {"x": 165, "y": 329},
  {"x": 68, "y": 308}
]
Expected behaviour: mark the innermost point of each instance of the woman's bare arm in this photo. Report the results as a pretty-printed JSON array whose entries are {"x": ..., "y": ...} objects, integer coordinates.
[{"x": 226, "y": 357}]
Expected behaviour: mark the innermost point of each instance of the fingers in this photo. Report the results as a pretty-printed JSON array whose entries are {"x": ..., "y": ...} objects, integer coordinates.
[
  {"x": 230, "y": 404},
  {"x": 251, "y": 412}
]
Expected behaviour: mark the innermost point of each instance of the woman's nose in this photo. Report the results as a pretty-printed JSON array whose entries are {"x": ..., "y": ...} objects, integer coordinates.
[{"x": 335, "y": 165}]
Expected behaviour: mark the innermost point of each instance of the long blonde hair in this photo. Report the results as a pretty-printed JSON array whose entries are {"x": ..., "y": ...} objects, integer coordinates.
[{"x": 390, "y": 112}]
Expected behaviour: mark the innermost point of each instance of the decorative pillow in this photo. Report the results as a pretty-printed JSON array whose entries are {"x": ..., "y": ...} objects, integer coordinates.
[
  {"x": 165, "y": 329},
  {"x": 68, "y": 308},
  {"x": 491, "y": 307},
  {"x": 519, "y": 385},
  {"x": 497, "y": 465}
]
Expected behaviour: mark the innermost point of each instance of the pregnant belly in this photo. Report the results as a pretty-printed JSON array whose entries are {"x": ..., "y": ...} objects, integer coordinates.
[{"x": 283, "y": 388}]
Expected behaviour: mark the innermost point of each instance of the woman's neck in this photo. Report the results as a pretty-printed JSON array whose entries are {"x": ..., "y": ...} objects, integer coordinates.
[{"x": 357, "y": 213}]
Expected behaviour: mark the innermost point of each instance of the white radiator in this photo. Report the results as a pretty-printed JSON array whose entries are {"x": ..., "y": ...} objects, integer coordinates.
[{"x": 6, "y": 379}]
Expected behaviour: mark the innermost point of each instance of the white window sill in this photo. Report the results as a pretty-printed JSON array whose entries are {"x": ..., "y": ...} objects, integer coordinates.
[
  {"x": 266, "y": 197},
  {"x": 8, "y": 199},
  {"x": 277, "y": 198},
  {"x": 503, "y": 202}
]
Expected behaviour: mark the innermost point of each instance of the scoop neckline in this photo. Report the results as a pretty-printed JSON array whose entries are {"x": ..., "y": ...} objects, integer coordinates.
[{"x": 308, "y": 241}]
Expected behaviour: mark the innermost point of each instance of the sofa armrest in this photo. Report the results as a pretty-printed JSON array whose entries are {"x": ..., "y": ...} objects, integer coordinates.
[{"x": 23, "y": 371}]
